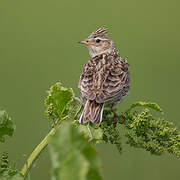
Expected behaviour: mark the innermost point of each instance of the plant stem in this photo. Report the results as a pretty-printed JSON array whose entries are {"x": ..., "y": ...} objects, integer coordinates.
[{"x": 34, "y": 155}]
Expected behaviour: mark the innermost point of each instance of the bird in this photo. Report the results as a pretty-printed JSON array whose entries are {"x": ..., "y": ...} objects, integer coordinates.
[{"x": 105, "y": 77}]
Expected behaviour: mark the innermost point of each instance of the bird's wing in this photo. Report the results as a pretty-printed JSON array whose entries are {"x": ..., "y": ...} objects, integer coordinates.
[
  {"x": 104, "y": 78},
  {"x": 116, "y": 79},
  {"x": 86, "y": 82}
]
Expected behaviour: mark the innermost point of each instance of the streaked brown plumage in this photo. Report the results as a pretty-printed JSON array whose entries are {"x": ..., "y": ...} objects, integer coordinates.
[{"x": 105, "y": 77}]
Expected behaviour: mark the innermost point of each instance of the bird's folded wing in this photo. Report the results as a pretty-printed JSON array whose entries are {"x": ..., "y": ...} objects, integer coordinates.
[
  {"x": 107, "y": 84},
  {"x": 116, "y": 80}
]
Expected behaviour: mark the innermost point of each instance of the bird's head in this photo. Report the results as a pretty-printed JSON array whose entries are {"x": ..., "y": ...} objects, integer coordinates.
[{"x": 98, "y": 43}]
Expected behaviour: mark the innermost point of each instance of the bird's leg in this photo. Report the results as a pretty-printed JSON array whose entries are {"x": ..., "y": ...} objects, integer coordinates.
[{"x": 114, "y": 115}]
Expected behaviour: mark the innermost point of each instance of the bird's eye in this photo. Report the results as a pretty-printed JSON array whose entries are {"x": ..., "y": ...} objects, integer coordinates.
[{"x": 98, "y": 40}]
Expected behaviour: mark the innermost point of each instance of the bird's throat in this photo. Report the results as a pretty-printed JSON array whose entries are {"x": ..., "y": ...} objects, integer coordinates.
[{"x": 95, "y": 51}]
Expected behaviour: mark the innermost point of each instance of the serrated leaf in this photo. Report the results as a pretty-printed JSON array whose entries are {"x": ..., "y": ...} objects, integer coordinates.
[
  {"x": 58, "y": 101},
  {"x": 74, "y": 107},
  {"x": 72, "y": 155},
  {"x": 7, "y": 127},
  {"x": 93, "y": 134},
  {"x": 154, "y": 106}
]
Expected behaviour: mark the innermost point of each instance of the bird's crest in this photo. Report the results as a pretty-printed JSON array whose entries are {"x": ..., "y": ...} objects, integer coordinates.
[{"x": 101, "y": 32}]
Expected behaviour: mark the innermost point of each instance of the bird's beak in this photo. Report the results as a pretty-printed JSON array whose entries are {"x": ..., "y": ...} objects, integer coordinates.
[
  {"x": 82, "y": 42},
  {"x": 85, "y": 42}
]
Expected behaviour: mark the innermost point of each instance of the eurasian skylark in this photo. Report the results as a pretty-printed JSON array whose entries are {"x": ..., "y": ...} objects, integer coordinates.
[{"x": 105, "y": 77}]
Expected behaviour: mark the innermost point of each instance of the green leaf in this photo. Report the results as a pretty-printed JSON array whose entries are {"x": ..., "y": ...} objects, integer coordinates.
[
  {"x": 74, "y": 108},
  {"x": 58, "y": 102},
  {"x": 72, "y": 155},
  {"x": 146, "y": 104},
  {"x": 7, "y": 127},
  {"x": 92, "y": 132}
]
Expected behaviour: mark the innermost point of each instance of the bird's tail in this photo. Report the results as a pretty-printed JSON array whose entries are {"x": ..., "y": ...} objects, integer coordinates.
[{"x": 92, "y": 112}]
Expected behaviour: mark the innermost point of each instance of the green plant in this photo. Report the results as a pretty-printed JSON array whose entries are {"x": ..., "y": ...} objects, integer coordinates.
[{"x": 72, "y": 145}]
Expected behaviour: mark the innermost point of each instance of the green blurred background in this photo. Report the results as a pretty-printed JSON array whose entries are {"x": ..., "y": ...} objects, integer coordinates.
[{"x": 38, "y": 47}]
